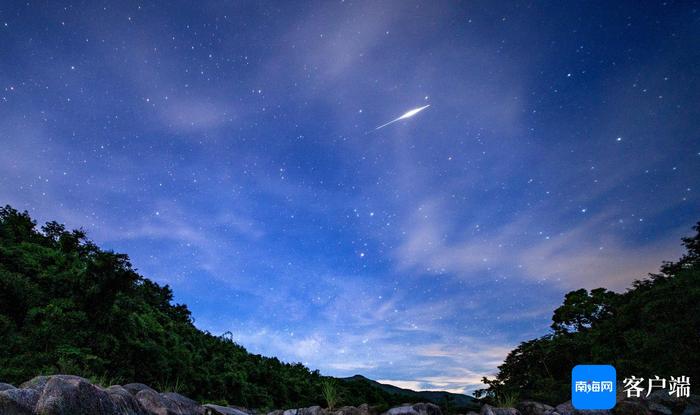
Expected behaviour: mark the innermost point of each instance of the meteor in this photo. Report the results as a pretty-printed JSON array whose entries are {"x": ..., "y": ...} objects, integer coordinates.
[{"x": 409, "y": 114}]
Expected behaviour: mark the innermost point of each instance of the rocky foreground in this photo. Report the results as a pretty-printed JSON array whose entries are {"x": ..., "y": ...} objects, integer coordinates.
[
  {"x": 73, "y": 395},
  {"x": 657, "y": 403}
]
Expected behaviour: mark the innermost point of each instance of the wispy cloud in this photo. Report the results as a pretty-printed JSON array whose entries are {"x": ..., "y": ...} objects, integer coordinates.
[{"x": 589, "y": 254}]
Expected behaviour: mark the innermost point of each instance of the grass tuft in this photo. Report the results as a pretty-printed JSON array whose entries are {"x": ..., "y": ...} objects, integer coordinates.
[{"x": 506, "y": 400}]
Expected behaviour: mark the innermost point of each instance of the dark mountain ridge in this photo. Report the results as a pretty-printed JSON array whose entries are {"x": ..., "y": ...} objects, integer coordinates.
[{"x": 436, "y": 397}]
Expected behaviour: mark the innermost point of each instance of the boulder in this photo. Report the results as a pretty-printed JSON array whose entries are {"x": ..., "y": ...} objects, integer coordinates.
[
  {"x": 156, "y": 404},
  {"x": 691, "y": 409},
  {"x": 630, "y": 407},
  {"x": 37, "y": 383},
  {"x": 187, "y": 406},
  {"x": 344, "y": 410},
  {"x": 490, "y": 410},
  {"x": 167, "y": 403},
  {"x": 125, "y": 402},
  {"x": 401, "y": 410},
  {"x": 692, "y": 405},
  {"x": 134, "y": 388},
  {"x": 534, "y": 408},
  {"x": 658, "y": 403},
  {"x": 312, "y": 410},
  {"x": 567, "y": 409},
  {"x": 661, "y": 402},
  {"x": 18, "y": 401},
  {"x": 427, "y": 409},
  {"x": 416, "y": 409},
  {"x": 244, "y": 410},
  {"x": 211, "y": 409},
  {"x": 73, "y": 395},
  {"x": 5, "y": 386},
  {"x": 659, "y": 409}
]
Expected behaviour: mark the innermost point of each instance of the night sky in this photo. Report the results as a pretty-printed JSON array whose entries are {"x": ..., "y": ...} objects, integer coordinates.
[{"x": 230, "y": 149}]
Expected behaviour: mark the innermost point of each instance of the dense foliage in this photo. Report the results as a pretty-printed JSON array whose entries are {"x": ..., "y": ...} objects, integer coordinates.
[
  {"x": 66, "y": 306},
  {"x": 652, "y": 329}
]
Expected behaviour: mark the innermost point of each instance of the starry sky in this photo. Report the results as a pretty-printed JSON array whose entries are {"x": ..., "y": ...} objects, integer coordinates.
[{"x": 230, "y": 149}]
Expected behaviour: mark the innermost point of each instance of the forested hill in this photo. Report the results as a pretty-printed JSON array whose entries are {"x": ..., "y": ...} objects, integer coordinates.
[
  {"x": 67, "y": 306},
  {"x": 653, "y": 329}
]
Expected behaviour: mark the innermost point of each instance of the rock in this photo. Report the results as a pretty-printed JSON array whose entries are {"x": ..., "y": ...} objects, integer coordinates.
[
  {"x": 155, "y": 404},
  {"x": 167, "y": 403},
  {"x": 315, "y": 410},
  {"x": 657, "y": 408},
  {"x": 693, "y": 406},
  {"x": 18, "y": 401},
  {"x": 312, "y": 410},
  {"x": 658, "y": 403},
  {"x": 363, "y": 409},
  {"x": 534, "y": 408},
  {"x": 416, "y": 409},
  {"x": 73, "y": 395},
  {"x": 125, "y": 402},
  {"x": 344, "y": 410},
  {"x": 567, "y": 409},
  {"x": 134, "y": 388},
  {"x": 662, "y": 401},
  {"x": 37, "y": 383},
  {"x": 244, "y": 410},
  {"x": 402, "y": 410},
  {"x": 427, "y": 409},
  {"x": 211, "y": 409},
  {"x": 490, "y": 410},
  {"x": 6, "y": 386},
  {"x": 187, "y": 406},
  {"x": 630, "y": 407}
]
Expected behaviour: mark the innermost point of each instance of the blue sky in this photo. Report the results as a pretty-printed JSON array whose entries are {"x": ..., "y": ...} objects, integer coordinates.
[{"x": 229, "y": 148}]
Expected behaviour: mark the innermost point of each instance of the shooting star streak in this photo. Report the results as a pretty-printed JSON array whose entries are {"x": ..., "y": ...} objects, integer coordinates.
[{"x": 409, "y": 114}]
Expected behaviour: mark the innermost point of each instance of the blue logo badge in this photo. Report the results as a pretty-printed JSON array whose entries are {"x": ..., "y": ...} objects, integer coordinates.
[{"x": 593, "y": 386}]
